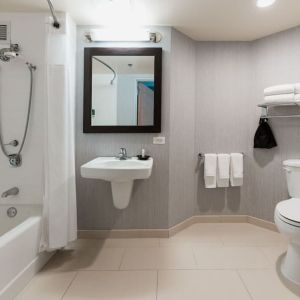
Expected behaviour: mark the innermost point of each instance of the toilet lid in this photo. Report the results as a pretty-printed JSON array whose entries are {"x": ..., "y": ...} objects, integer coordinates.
[{"x": 290, "y": 209}]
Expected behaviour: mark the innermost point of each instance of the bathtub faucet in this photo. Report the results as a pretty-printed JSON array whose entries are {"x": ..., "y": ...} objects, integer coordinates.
[{"x": 11, "y": 192}]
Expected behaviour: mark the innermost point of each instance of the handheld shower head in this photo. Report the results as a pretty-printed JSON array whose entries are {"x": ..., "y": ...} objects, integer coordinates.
[
  {"x": 11, "y": 54},
  {"x": 6, "y": 54}
]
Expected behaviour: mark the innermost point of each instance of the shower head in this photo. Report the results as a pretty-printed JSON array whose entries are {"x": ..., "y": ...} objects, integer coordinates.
[
  {"x": 6, "y": 54},
  {"x": 11, "y": 54}
]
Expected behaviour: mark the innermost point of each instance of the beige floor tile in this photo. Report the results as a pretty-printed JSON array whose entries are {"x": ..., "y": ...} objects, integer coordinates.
[
  {"x": 169, "y": 242},
  {"x": 47, "y": 286},
  {"x": 131, "y": 243},
  {"x": 266, "y": 285},
  {"x": 158, "y": 258},
  {"x": 204, "y": 246},
  {"x": 273, "y": 253},
  {"x": 198, "y": 233},
  {"x": 117, "y": 285},
  {"x": 114, "y": 243},
  {"x": 200, "y": 284},
  {"x": 249, "y": 235},
  {"x": 230, "y": 258},
  {"x": 86, "y": 259}
]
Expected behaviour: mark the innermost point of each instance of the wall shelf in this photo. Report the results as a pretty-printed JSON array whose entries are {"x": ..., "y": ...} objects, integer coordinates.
[
  {"x": 277, "y": 105},
  {"x": 265, "y": 110}
]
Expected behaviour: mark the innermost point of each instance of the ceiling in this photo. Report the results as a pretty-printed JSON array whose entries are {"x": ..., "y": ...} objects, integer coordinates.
[{"x": 202, "y": 20}]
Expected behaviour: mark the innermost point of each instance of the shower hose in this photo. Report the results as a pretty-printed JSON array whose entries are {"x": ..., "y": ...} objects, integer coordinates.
[{"x": 31, "y": 69}]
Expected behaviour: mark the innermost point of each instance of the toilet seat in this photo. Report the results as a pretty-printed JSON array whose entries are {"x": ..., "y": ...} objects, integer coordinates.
[{"x": 289, "y": 211}]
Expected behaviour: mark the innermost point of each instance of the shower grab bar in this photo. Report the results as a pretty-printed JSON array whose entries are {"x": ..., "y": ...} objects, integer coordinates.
[{"x": 55, "y": 24}]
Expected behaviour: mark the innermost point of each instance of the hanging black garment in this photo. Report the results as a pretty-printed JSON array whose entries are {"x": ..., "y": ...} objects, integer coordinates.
[{"x": 264, "y": 138}]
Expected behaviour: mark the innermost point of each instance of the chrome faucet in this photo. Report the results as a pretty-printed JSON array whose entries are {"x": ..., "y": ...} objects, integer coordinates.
[
  {"x": 123, "y": 154},
  {"x": 11, "y": 192}
]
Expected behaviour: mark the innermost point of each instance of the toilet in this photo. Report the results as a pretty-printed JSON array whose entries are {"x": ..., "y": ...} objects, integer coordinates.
[{"x": 287, "y": 219}]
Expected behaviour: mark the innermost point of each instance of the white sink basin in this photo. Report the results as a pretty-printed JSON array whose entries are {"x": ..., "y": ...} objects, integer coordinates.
[
  {"x": 113, "y": 169},
  {"x": 121, "y": 174}
]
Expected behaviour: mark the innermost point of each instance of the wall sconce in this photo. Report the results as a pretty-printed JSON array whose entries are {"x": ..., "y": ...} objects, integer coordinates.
[{"x": 128, "y": 35}]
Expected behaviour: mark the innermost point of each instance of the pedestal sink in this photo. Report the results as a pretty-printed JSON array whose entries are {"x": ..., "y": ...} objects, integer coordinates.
[{"x": 121, "y": 174}]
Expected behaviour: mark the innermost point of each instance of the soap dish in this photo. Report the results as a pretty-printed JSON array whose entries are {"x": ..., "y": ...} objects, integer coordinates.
[{"x": 140, "y": 157}]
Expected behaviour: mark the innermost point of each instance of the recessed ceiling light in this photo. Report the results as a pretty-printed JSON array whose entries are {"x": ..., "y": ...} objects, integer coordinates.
[{"x": 264, "y": 3}]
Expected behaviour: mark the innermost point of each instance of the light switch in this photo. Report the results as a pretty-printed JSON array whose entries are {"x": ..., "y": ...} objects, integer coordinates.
[{"x": 159, "y": 140}]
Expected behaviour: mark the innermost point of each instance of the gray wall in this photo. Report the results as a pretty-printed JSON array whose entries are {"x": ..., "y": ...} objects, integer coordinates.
[
  {"x": 182, "y": 130},
  {"x": 210, "y": 97},
  {"x": 14, "y": 86},
  {"x": 148, "y": 207},
  {"x": 223, "y": 115},
  {"x": 277, "y": 61},
  {"x": 230, "y": 82}
]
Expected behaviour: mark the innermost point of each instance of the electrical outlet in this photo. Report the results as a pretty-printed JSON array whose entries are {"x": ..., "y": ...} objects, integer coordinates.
[{"x": 159, "y": 140}]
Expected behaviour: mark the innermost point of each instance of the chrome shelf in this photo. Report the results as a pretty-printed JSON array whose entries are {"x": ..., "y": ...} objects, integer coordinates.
[{"x": 266, "y": 107}]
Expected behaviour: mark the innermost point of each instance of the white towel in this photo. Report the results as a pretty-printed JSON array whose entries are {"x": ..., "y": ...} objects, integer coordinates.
[
  {"x": 280, "y": 99},
  {"x": 280, "y": 89},
  {"x": 223, "y": 173},
  {"x": 297, "y": 99},
  {"x": 297, "y": 88},
  {"x": 210, "y": 170},
  {"x": 236, "y": 169}
]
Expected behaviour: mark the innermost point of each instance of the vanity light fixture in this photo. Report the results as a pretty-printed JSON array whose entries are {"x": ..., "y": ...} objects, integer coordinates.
[
  {"x": 264, "y": 3},
  {"x": 128, "y": 35}
]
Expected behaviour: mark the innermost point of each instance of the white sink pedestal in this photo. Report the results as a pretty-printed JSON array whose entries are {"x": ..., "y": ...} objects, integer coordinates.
[{"x": 121, "y": 192}]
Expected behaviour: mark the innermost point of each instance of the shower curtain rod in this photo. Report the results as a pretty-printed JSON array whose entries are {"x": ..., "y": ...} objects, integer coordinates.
[
  {"x": 108, "y": 66},
  {"x": 55, "y": 20}
]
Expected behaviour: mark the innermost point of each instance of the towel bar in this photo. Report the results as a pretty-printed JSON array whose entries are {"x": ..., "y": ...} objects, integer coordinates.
[{"x": 202, "y": 155}]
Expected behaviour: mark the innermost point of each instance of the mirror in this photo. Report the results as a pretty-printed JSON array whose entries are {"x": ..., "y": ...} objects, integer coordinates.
[{"x": 122, "y": 90}]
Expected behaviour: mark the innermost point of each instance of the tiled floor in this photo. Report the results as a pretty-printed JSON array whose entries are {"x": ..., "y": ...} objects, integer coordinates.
[{"x": 205, "y": 261}]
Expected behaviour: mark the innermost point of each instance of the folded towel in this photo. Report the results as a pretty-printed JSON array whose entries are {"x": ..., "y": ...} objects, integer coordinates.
[
  {"x": 297, "y": 99},
  {"x": 280, "y": 89},
  {"x": 297, "y": 88},
  {"x": 223, "y": 173},
  {"x": 236, "y": 169},
  {"x": 210, "y": 170},
  {"x": 280, "y": 99}
]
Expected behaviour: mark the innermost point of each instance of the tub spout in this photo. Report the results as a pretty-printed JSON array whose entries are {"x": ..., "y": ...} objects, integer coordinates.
[{"x": 11, "y": 192}]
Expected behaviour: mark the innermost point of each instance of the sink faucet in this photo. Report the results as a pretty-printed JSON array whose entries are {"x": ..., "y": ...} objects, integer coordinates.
[
  {"x": 123, "y": 154},
  {"x": 11, "y": 192}
]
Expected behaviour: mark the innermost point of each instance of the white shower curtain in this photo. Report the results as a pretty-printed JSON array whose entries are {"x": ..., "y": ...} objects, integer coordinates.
[{"x": 59, "y": 206}]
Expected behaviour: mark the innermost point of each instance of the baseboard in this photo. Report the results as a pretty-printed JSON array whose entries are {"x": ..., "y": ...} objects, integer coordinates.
[
  {"x": 262, "y": 223},
  {"x": 165, "y": 233},
  {"x": 12, "y": 289},
  {"x": 126, "y": 233},
  {"x": 206, "y": 219}
]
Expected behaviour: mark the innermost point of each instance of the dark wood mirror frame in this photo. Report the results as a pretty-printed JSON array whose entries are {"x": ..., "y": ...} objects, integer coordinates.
[{"x": 87, "y": 106}]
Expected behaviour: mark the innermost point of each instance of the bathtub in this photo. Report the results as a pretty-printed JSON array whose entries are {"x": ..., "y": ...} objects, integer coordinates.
[{"x": 19, "y": 248}]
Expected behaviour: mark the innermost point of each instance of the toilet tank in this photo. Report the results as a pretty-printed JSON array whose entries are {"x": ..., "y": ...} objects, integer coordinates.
[{"x": 292, "y": 169}]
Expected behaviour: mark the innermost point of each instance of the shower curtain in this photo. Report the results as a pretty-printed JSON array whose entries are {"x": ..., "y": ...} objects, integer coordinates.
[{"x": 59, "y": 203}]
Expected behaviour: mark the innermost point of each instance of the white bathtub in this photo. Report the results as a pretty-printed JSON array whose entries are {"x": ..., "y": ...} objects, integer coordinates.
[{"x": 19, "y": 249}]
